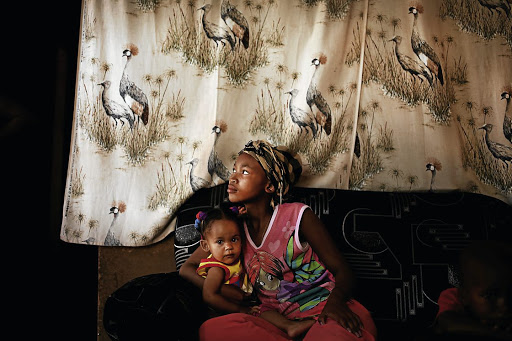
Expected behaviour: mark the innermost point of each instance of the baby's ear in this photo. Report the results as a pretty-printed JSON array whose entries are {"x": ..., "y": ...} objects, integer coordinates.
[
  {"x": 461, "y": 294},
  {"x": 204, "y": 245}
]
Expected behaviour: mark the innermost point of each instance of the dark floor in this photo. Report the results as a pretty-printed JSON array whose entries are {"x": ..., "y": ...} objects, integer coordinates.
[{"x": 54, "y": 284}]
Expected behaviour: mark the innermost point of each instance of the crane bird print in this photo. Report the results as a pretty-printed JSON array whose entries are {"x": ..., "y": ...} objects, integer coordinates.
[
  {"x": 112, "y": 238},
  {"x": 196, "y": 182},
  {"x": 507, "y": 118},
  {"x": 114, "y": 109},
  {"x": 236, "y": 22},
  {"x": 497, "y": 5},
  {"x": 422, "y": 49},
  {"x": 433, "y": 165},
  {"x": 498, "y": 150},
  {"x": 316, "y": 101},
  {"x": 214, "y": 31},
  {"x": 215, "y": 164},
  {"x": 133, "y": 96},
  {"x": 410, "y": 65},
  {"x": 299, "y": 116}
]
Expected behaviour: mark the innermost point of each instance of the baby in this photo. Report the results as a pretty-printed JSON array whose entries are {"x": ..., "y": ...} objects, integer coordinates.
[{"x": 481, "y": 306}]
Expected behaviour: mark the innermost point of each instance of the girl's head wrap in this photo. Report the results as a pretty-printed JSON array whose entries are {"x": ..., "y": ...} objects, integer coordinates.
[{"x": 282, "y": 167}]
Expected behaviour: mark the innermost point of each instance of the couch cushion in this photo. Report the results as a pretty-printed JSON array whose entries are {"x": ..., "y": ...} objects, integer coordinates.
[{"x": 402, "y": 246}]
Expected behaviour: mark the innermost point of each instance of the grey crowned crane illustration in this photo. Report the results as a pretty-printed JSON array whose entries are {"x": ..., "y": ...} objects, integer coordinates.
[
  {"x": 89, "y": 241},
  {"x": 498, "y": 150},
  {"x": 497, "y": 5},
  {"x": 111, "y": 239},
  {"x": 196, "y": 182},
  {"x": 433, "y": 165},
  {"x": 214, "y": 31},
  {"x": 301, "y": 117},
  {"x": 507, "y": 119},
  {"x": 422, "y": 49},
  {"x": 215, "y": 165},
  {"x": 316, "y": 101},
  {"x": 410, "y": 65},
  {"x": 236, "y": 22},
  {"x": 133, "y": 96},
  {"x": 114, "y": 109}
]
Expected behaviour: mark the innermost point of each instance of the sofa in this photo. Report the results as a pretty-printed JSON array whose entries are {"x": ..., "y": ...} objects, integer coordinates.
[{"x": 402, "y": 247}]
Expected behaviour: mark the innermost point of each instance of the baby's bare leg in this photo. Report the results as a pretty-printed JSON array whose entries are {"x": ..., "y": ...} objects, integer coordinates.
[{"x": 293, "y": 328}]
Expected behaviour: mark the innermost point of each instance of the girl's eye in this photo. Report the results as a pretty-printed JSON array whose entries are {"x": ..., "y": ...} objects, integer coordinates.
[{"x": 270, "y": 277}]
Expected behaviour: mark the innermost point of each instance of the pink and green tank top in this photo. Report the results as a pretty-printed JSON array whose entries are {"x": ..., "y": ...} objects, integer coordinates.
[{"x": 285, "y": 272}]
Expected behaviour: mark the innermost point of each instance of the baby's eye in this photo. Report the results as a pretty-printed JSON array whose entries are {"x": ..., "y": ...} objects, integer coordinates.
[
  {"x": 234, "y": 239},
  {"x": 245, "y": 172},
  {"x": 234, "y": 170},
  {"x": 489, "y": 295},
  {"x": 218, "y": 242}
]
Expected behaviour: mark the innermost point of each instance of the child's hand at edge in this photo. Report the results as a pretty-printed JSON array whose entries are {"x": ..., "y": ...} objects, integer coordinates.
[
  {"x": 242, "y": 210},
  {"x": 254, "y": 310}
]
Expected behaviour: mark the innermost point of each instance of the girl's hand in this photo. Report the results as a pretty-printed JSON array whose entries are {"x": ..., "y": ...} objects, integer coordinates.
[{"x": 342, "y": 314}]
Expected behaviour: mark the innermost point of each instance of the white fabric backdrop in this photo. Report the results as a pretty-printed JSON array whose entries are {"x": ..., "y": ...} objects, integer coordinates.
[{"x": 389, "y": 129}]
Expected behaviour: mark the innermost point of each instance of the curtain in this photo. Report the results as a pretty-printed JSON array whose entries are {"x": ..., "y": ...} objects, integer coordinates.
[{"x": 382, "y": 95}]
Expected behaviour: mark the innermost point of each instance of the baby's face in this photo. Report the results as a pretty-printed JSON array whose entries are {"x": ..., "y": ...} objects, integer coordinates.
[
  {"x": 224, "y": 241},
  {"x": 489, "y": 301}
]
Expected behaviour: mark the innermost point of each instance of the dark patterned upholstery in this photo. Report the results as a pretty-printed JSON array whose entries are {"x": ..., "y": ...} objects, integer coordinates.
[{"x": 402, "y": 247}]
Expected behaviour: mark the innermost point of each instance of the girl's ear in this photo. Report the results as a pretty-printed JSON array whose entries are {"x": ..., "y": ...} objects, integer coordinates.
[
  {"x": 204, "y": 245},
  {"x": 269, "y": 188}
]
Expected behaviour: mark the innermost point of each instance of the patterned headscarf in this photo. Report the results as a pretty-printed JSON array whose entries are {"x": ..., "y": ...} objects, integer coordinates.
[{"x": 282, "y": 167}]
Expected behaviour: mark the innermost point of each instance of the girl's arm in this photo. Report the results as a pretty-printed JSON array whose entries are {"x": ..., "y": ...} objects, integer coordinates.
[
  {"x": 319, "y": 239},
  {"x": 212, "y": 293},
  {"x": 188, "y": 271}
]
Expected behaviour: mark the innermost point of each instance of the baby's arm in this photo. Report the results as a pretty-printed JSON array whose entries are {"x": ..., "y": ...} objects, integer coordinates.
[
  {"x": 455, "y": 322},
  {"x": 212, "y": 293}
]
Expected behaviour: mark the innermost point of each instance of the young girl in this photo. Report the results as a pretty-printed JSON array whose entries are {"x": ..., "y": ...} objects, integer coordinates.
[
  {"x": 221, "y": 238},
  {"x": 291, "y": 260}
]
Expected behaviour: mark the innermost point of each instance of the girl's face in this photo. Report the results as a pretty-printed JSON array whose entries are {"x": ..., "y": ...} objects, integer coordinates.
[
  {"x": 223, "y": 241},
  {"x": 248, "y": 180}
]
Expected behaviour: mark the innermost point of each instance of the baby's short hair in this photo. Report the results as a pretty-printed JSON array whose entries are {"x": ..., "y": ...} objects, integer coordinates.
[
  {"x": 225, "y": 210},
  {"x": 492, "y": 254}
]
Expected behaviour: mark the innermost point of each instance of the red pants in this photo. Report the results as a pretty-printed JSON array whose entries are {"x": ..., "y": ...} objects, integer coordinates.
[{"x": 251, "y": 328}]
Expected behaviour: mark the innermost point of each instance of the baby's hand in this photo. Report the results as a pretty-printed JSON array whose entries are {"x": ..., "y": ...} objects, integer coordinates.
[
  {"x": 242, "y": 210},
  {"x": 504, "y": 324},
  {"x": 254, "y": 310},
  {"x": 501, "y": 328},
  {"x": 250, "y": 299}
]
